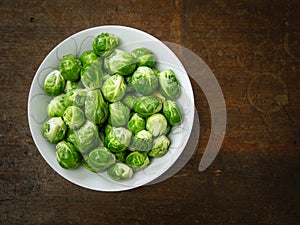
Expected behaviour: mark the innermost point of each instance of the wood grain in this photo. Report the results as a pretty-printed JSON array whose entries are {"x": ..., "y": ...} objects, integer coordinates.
[{"x": 253, "y": 49}]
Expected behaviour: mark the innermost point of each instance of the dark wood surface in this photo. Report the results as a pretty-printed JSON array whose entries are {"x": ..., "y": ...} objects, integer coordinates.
[{"x": 252, "y": 47}]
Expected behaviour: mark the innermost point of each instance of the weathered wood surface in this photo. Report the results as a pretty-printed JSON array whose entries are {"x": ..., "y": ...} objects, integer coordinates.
[{"x": 253, "y": 49}]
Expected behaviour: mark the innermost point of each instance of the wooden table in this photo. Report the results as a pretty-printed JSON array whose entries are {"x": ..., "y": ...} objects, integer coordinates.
[{"x": 253, "y": 49}]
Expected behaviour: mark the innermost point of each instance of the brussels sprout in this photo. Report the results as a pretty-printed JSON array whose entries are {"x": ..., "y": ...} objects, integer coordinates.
[
  {"x": 119, "y": 62},
  {"x": 88, "y": 57},
  {"x": 54, "y": 129},
  {"x": 142, "y": 141},
  {"x": 128, "y": 82},
  {"x": 147, "y": 105},
  {"x": 118, "y": 114},
  {"x": 172, "y": 112},
  {"x": 129, "y": 100},
  {"x": 137, "y": 160},
  {"x": 71, "y": 85},
  {"x": 86, "y": 137},
  {"x": 157, "y": 124},
  {"x": 75, "y": 97},
  {"x": 114, "y": 88},
  {"x": 99, "y": 159},
  {"x": 92, "y": 75},
  {"x": 67, "y": 156},
  {"x": 120, "y": 171},
  {"x": 168, "y": 83},
  {"x": 144, "y": 57},
  {"x": 160, "y": 146},
  {"x": 56, "y": 106},
  {"x": 118, "y": 139},
  {"x": 136, "y": 123},
  {"x": 104, "y": 43},
  {"x": 144, "y": 80},
  {"x": 74, "y": 117},
  {"x": 96, "y": 109},
  {"x": 71, "y": 137},
  {"x": 54, "y": 83},
  {"x": 70, "y": 67}
]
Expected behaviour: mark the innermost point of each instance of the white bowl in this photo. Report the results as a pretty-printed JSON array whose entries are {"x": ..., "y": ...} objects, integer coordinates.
[{"x": 130, "y": 39}]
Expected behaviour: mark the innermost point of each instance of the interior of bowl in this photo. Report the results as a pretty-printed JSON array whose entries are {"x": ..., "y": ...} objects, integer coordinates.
[{"x": 130, "y": 39}]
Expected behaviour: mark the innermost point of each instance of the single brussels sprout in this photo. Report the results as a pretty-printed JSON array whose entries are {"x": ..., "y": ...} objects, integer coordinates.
[
  {"x": 99, "y": 159},
  {"x": 71, "y": 85},
  {"x": 118, "y": 114},
  {"x": 107, "y": 129},
  {"x": 96, "y": 109},
  {"x": 160, "y": 146},
  {"x": 114, "y": 88},
  {"x": 119, "y": 62},
  {"x": 104, "y": 43},
  {"x": 157, "y": 124},
  {"x": 88, "y": 57},
  {"x": 129, "y": 100},
  {"x": 67, "y": 156},
  {"x": 142, "y": 141},
  {"x": 86, "y": 137},
  {"x": 144, "y": 80},
  {"x": 144, "y": 57},
  {"x": 120, "y": 171},
  {"x": 70, "y": 67},
  {"x": 137, "y": 160},
  {"x": 92, "y": 75},
  {"x": 147, "y": 105},
  {"x": 121, "y": 156},
  {"x": 71, "y": 137},
  {"x": 74, "y": 117},
  {"x": 172, "y": 112},
  {"x": 128, "y": 82},
  {"x": 118, "y": 139},
  {"x": 54, "y": 83},
  {"x": 56, "y": 106},
  {"x": 168, "y": 83},
  {"x": 75, "y": 97},
  {"x": 54, "y": 129},
  {"x": 136, "y": 123}
]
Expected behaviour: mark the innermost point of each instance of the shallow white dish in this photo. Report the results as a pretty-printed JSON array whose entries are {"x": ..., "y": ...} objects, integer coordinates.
[{"x": 130, "y": 39}]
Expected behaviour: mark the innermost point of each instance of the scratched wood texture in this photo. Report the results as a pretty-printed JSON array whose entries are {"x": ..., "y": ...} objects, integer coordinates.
[{"x": 253, "y": 49}]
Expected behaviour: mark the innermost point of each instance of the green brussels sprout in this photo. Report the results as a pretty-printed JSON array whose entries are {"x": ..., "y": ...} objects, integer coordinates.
[
  {"x": 128, "y": 82},
  {"x": 71, "y": 85},
  {"x": 121, "y": 156},
  {"x": 160, "y": 146},
  {"x": 157, "y": 124},
  {"x": 129, "y": 100},
  {"x": 107, "y": 129},
  {"x": 54, "y": 83},
  {"x": 114, "y": 88},
  {"x": 118, "y": 114},
  {"x": 96, "y": 109},
  {"x": 86, "y": 137},
  {"x": 147, "y": 105},
  {"x": 75, "y": 97},
  {"x": 70, "y": 67},
  {"x": 136, "y": 123},
  {"x": 168, "y": 83},
  {"x": 92, "y": 75},
  {"x": 118, "y": 139},
  {"x": 71, "y": 137},
  {"x": 54, "y": 129},
  {"x": 144, "y": 80},
  {"x": 99, "y": 159},
  {"x": 74, "y": 117},
  {"x": 172, "y": 112},
  {"x": 144, "y": 57},
  {"x": 142, "y": 141},
  {"x": 104, "y": 43},
  {"x": 88, "y": 57},
  {"x": 67, "y": 156},
  {"x": 56, "y": 106},
  {"x": 119, "y": 62},
  {"x": 137, "y": 160},
  {"x": 120, "y": 171}
]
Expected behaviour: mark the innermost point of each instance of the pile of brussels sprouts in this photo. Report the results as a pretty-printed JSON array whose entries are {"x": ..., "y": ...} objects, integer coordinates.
[{"x": 111, "y": 110}]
